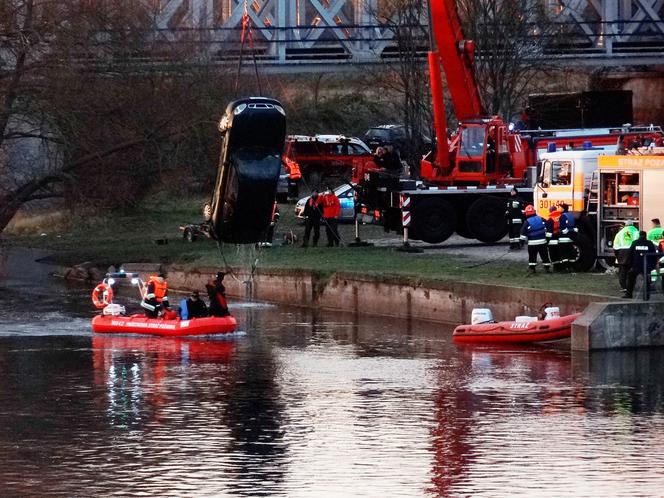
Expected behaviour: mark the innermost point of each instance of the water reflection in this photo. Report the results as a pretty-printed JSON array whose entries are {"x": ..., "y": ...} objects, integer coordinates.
[{"x": 311, "y": 403}]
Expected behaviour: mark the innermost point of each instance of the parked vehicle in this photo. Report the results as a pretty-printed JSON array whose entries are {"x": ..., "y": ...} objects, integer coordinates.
[
  {"x": 470, "y": 173},
  {"x": 603, "y": 191},
  {"x": 323, "y": 156},
  {"x": 346, "y": 196},
  {"x": 191, "y": 232},
  {"x": 390, "y": 134}
]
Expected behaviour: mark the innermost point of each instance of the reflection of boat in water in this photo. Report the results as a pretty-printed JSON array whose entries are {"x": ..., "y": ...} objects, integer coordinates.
[
  {"x": 520, "y": 330},
  {"x": 139, "y": 324},
  {"x": 172, "y": 348}
]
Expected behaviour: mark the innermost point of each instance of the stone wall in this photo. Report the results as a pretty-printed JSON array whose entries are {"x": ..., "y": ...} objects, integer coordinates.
[
  {"x": 619, "y": 325},
  {"x": 435, "y": 301}
]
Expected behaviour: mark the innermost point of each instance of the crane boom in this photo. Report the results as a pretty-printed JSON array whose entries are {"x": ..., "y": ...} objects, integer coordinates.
[{"x": 456, "y": 55}]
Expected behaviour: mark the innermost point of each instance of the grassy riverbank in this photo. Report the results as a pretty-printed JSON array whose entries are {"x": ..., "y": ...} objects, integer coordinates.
[{"x": 130, "y": 237}]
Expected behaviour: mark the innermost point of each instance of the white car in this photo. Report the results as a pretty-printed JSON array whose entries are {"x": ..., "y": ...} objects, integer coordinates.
[{"x": 346, "y": 196}]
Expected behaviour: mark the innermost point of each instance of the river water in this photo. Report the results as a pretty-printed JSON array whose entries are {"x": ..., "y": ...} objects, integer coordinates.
[{"x": 310, "y": 403}]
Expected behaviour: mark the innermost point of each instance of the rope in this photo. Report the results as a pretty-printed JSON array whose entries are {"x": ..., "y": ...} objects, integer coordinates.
[
  {"x": 247, "y": 34},
  {"x": 489, "y": 260},
  {"x": 229, "y": 269}
]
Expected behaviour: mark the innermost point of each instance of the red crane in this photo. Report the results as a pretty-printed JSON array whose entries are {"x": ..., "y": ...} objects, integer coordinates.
[
  {"x": 466, "y": 178},
  {"x": 482, "y": 151}
]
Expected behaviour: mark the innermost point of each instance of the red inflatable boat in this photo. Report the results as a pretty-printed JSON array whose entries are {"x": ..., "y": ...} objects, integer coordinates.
[
  {"x": 516, "y": 332},
  {"x": 139, "y": 324}
]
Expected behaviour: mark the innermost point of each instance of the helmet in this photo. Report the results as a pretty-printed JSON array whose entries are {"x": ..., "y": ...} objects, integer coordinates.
[{"x": 530, "y": 210}]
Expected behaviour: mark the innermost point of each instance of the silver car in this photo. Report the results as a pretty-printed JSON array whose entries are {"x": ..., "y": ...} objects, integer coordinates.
[{"x": 346, "y": 196}]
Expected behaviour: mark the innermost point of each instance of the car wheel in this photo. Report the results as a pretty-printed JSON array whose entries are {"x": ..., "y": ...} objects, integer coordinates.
[{"x": 207, "y": 212}]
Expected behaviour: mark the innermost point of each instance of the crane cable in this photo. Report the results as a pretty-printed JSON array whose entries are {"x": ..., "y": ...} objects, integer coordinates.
[
  {"x": 248, "y": 283},
  {"x": 247, "y": 34}
]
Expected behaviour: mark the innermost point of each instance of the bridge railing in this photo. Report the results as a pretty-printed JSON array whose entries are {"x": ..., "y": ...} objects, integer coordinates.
[{"x": 368, "y": 43}]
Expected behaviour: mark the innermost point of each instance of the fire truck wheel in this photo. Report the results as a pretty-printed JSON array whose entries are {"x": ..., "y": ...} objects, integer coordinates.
[
  {"x": 434, "y": 220},
  {"x": 485, "y": 218},
  {"x": 584, "y": 253}
]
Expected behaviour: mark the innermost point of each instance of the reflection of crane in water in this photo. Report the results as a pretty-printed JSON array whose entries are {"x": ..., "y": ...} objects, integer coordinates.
[{"x": 462, "y": 398}]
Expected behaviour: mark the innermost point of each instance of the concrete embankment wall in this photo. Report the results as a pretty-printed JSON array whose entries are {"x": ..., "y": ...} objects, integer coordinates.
[
  {"x": 435, "y": 301},
  {"x": 619, "y": 325}
]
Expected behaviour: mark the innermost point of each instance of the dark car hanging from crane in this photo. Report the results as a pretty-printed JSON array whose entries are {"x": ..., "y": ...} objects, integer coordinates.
[{"x": 253, "y": 135}]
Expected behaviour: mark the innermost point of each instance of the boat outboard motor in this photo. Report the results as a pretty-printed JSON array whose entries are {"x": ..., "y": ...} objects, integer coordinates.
[
  {"x": 551, "y": 313},
  {"x": 481, "y": 315},
  {"x": 254, "y": 133}
]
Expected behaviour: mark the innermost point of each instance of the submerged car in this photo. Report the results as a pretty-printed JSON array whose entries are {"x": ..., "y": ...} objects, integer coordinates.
[{"x": 346, "y": 195}]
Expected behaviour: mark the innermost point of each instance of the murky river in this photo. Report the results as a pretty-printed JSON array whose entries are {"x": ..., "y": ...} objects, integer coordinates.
[{"x": 309, "y": 403}]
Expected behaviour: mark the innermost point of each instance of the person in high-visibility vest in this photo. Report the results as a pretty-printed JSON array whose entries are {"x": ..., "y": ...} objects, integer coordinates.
[
  {"x": 553, "y": 234},
  {"x": 641, "y": 254},
  {"x": 621, "y": 244},
  {"x": 155, "y": 296},
  {"x": 217, "y": 294},
  {"x": 534, "y": 231},
  {"x": 656, "y": 233},
  {"x": 331, "y": 211},
  {"x": 568, "y": 234}
]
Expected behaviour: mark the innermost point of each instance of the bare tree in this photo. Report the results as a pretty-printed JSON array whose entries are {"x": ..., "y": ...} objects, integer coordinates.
[
  {"x": 406, "y": 76},
  {"x": 511, "y": 37},
  {"x": 80, "y": 116}
]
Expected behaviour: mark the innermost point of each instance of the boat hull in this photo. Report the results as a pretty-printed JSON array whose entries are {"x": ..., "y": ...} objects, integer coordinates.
[
  {"x": 515, "y": 332},
  {"x": 139, "y": 324}
]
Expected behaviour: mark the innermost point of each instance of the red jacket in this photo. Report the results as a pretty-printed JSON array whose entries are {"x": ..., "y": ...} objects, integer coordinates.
[{"x": 331, "y": 206}]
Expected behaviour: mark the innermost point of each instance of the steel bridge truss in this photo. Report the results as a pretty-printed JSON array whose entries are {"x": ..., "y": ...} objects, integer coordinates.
[{"x": 299, "y": 32}]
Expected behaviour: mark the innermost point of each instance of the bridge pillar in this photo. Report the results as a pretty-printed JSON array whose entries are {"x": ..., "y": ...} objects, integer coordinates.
[{"x": 648, "y": 100}]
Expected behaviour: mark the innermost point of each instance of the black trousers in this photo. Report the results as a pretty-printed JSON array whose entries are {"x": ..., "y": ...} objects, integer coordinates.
[
  {"x": 566, "y": 252},
  {"x": 533, "y": 251},
  {"x": 514, "y": 231},
  {"x": 622, "y": 258},
  {"x": 309, "y": 225},
  {"x": 631, "y": 281},
  {"x": 554, "y": 251},
  {"x": 332, "y": 231}
]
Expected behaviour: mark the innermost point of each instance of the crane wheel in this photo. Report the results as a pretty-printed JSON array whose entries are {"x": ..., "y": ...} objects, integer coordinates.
[
  {"x": 485, "y": 218},
  {"x": 434, "y": 220}
]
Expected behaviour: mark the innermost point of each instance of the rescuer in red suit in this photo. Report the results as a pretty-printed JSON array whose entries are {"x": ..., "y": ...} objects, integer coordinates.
[{"x": 331, "y": 211}]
